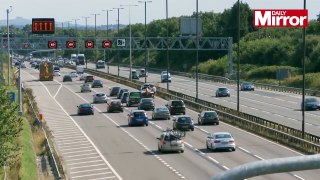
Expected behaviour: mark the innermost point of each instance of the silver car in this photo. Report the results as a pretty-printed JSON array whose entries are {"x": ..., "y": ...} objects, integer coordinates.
[
  {"x": 86, "y": 87},
  {"x": 100, "y": 98},
  {"x": 160, "y": 113},
  {"x": 221, "y": 140},
  {"x": 171, "y": 140}
]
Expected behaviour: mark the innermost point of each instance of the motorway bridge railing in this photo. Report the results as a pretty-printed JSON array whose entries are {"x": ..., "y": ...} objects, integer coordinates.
[{"x": 279, "y": 133}]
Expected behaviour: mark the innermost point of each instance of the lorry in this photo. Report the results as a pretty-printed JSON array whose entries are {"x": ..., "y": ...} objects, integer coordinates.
[
  {"x": 73, "y": 58},
  {"x": 46, "y": 71},
  {"x": 81, "y": 59}
]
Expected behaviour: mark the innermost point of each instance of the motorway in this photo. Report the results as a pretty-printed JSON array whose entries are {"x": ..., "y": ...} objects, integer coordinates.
[
  {"x": 102, "y": 146},
  {"x": 283, "y": 108}
]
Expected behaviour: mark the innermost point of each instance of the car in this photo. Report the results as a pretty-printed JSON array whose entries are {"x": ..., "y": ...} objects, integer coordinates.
[
  {"x": 123, "y": 98},
  {"x": 165, "y": 72},
  {"x": 137, "y": 117},
  {"x": 57, "y": 68},
  {"x": 171, "y": 141},
  {"x": 222, "y": 92},
  {"x": 33, "y": 64},
  {"x": 183, "y": 123},
  {"x": 56, "y": 73},
  {"x": 86, "y": 87},
  {"x": 121, "y": 92},
  {"x": 37, "y": 66},
  {"x": 208, "y": 117},
  {"x": 89, "y": 78},
  {"x": 83, "y": 76},
  {"x": 80, "y": 69},
  {"x": 220, "y": 140},
  {"x": 100, "y": 97},
  {"x": 133, "y": 98},
  {"x": 73, "y": 74},
  {"x": 165, "y": 78},
  {"x": 85, "y": 108},
  {"x": 176, "y": 106},
  {"x": 67, "y": 78},
  {"x": 17, "y": 64},
  {"x": 114, "y": 105},
  {"x": 96, "y": 83},
  {"x": 100, "y": 64},
  {"x": 114, "y": 91},
  {"x": 143, "y": 73},
  {"x": 311, "y": 103},
  {"x": 23, "y": 65},
  {"x": 247, "y": 86},
  {"x": 134, "y": 75},
  {"x": 161, "y": 112},
  {"x": 146, "y": 104}
]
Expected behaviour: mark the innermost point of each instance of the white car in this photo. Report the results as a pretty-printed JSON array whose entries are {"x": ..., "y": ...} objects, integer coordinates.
[
  {"x": 56, "y": 73},
  {"x": 221, "y": 140},
  {"x": 86, "y": 87},
  {"x": 83, "y": 76},
  {"x": 73, "y": 74}
]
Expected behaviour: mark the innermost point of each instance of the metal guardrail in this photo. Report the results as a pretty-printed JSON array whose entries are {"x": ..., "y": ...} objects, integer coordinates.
[
  {"x": 277, "y": 132},
  {"x": 56, "y": 171},
  {"x": 225, "y": 80}
]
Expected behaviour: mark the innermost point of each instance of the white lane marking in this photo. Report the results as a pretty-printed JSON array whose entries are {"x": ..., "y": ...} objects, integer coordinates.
[
  {"x": 91, "y": 175},
  {"x": 244, "y": 150},
  {"x": 85, "y": 162},
  {"x": 82, "y": 158},
  {"x": 57, "y": 91},
  {"x": 80, "y": 155},
  {"x": 73, "y": 140},
  {"x": 98, "y": 151},
  {"x": 109, "y": 177},
  {"x": 217, "y": 162},
  {"x": 72, "y": 137},
  {"x": 69, "y": 132},
  {"x": 79, "y": 151},
  {"x": 79, "y": 167},
  {"x": 71, "y": 143},
  {"x": 74, "y": 145},
  {"x": 82, "y": 147},
  {"x": 76, "y": 172},
  {"x": 258, "y": 157},
  {"x": 298, "y": 177},
  {"x": 225, "y": 167}
]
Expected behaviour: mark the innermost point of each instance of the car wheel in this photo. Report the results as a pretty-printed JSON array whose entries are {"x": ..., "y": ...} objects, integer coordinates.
[
  {"x": 147, "y": 124},
  {"x": 184, "y": 113},
  {"x": 192, "y": 129},
  {"x": 199, "y": 122},
  {"x": 159, "y": 149},
  {"x": 92, "y": 114},
  {"x": 182, "y": 151},
  {"x": 207, "y": 145},
  {"x": 217, "y": 123},
  {"x": 233, "y": 149},
  {"x": 212, "y": 148}
]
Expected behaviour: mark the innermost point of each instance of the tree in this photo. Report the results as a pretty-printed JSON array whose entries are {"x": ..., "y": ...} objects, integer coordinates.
[{"x": 10, "y": 127}]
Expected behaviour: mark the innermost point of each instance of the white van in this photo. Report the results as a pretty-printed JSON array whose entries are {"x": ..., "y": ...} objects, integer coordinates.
[{"x": 80, "y": 69}]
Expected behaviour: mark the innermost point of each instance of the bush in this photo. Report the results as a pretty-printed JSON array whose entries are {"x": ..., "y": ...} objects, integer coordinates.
[{"x": 268, "y": 72}]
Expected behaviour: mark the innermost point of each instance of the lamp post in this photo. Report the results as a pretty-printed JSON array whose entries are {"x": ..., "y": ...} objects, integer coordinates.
[
  {"x": 304, "y": 72},
  {"x": 104, "y": 51},
  {"x": 167, "y": 24},
  {"x": 8, "y": 44},
  {"x": 145, "y": 38},
  {"x": 118, "y": 35},
  {"x": 76, "y": 31},
  {"x": 197, "y": 46},
  {"x": 86, "y": 19},
  {"x": 130, "y": 56},
  {"x": 238, "y": 61},
  {"x": 95, "y": 24}
]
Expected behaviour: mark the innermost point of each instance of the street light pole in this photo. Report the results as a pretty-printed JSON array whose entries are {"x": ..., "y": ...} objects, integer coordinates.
[
  {"x": 145, "y": 38},
  {"x": 20, "y": 91},
  {"x": 167, "y": 24},
  {"x": 238, "y": 62},
  {"x": 76, "y": 31},
  {"x": 95, "y": 24},
  {"x": 8, "y": 44},
  {"x": 86, "y": 19},
  {"x": 130, "y": 34},
  {"x": 304, "y": 72},
  {"x": 118, "y": 35},
  {"x": 104, "y": 51}
]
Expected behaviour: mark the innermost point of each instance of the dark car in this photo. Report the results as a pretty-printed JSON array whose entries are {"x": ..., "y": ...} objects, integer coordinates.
[
  {"x": 247, "y": 86},
  {"x": 311, "y": 104},
  {"x": 37, "y": 66},
  {"x": 89, "y": 78},
  {"x": 160, "y": 113},
  {"x": 121, "y": 92},
  {"x": 114, "y": 105},
  {"x": 134, "y": 75},
  {"x": 208, "y": 117},
  {"x": 114, "y": 91},
  {"x": 85, "y": 108},
  {"x": 222, "y": 92},
  {"x": 124, "y": 97},
  {"x": 56, "y": 68},
  {"x": 183, "y": 122},
  {"x": 133, "y": 98},
  {"x": 96, "y": 83},
  {"x": 146, "y": 104},
  {"x": 137, "y": 117},
  {"x": 67, "y": 78},
  {"x": 143, "y": 73},
  {"x": 176, "y": 107}
]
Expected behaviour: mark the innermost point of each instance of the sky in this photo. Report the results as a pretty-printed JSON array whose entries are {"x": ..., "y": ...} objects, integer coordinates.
[{"x": 67, "y": 10}]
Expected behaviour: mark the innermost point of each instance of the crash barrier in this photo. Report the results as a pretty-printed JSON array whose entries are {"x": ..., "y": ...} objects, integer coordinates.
[
  {"x": 225, "y": 80},
  {"x": 277, "y": 132},
  {"x": 52, "y": 153}
]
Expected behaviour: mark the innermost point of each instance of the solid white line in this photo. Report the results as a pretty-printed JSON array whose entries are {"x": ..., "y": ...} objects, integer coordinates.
[
  {"x": 90, "y": 175},
  {"x": 76, "y": 172},
  {"x": 298, "y": 177},
  {"x": 225, "y": 167},
  {"x": 244, "y": 150},
  {"x": 258, "y": 157},
  {"x": 87, "y": 166}
]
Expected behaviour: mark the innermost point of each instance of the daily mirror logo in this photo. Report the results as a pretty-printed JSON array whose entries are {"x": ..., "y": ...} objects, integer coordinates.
[{"x": 280, "y": 18}]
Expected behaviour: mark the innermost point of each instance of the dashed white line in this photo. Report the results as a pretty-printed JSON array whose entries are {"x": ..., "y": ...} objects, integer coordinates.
[
  {"x": 258, "y": 157},
  {"x": 244, "y": 150},
  {"x": 217, "y": 162},
  {"x": 298, "y": 177},
  {"x": 225, "y": 167}
]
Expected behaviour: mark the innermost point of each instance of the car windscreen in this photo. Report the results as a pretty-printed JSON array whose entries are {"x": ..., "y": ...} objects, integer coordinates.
[
  {"x": 135, "y": 95},
  {"x": 311, "y": 100},
  {"x": 85, "y": 105},
  {"x": 138, "y": 114},
  {"x": 220, "y": 136},
  {"x": 162, "y": 109},
  {"x": 177, "y": 103},
  {"x": 184, "y": 120},
  {"x": 210, "y": 114},
  {"x": 223, "y": 89},
  {"x": 100, "y": 95},
  {"x": 171, "y": 138},
  {"x": 100, "y": 63}
]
